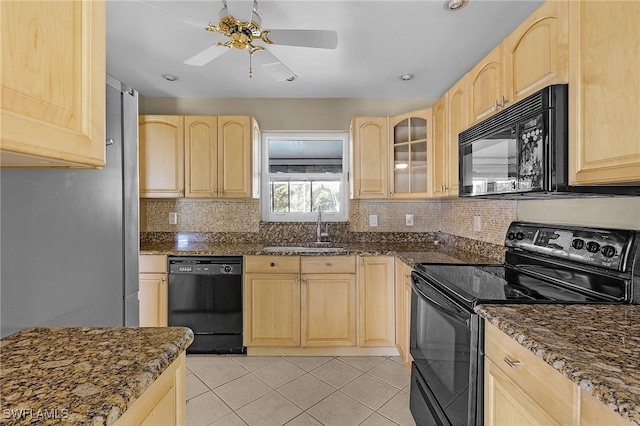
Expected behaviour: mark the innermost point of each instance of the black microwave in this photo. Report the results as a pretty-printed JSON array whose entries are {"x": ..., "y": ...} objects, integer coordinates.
[{"x": 522, "y": 152}]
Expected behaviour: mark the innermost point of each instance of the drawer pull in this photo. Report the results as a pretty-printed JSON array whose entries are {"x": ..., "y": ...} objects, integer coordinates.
[
  {"x": 328, "y": 264},
  {"x": 272, "y": 264},
  {"x": 512, "y": 364}
]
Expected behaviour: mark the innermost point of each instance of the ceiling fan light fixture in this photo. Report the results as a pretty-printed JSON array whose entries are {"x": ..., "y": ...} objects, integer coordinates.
[
  {"x": 455, "y": 5},
  {"x": 169, "y": 77},
  {"x": 406, "y": 77}
]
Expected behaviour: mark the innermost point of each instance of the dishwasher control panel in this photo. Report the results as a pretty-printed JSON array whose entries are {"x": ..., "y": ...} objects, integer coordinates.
[{"x": 205, "y": 265}]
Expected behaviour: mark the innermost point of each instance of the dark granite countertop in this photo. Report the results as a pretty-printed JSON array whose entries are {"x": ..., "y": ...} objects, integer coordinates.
[
  {"x": 411, "y": 254},
  {"x": 81, "y": 376},
  {"x": 596, "y": 346}
]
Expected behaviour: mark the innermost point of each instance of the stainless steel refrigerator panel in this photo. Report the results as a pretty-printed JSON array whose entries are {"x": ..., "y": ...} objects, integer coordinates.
[{"x": 131, "y": 310}]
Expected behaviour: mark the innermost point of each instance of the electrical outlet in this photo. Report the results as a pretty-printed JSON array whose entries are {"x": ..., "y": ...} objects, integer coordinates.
[
  {"x": 477, "y": 224},
  {"x": 173, "y": 218},
  {"x": 373, "y": 220},
  {"x": 408, "y": 219}
]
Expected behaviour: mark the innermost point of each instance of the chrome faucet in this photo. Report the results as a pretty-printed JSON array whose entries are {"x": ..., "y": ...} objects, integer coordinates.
[
  {"x": 321, "y": 236},
  {"x": 318, "y": 230}
]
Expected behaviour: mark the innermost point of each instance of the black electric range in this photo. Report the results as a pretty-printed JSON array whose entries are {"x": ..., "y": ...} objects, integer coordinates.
[{"x": 543, "y": 264}]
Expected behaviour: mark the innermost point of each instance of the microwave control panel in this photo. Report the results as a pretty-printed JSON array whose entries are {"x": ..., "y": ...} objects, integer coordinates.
[{"x": 605, "y": 248}]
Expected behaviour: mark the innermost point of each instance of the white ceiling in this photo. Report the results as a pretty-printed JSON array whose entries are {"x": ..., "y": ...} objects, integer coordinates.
[{"x": 377, "y": 42}]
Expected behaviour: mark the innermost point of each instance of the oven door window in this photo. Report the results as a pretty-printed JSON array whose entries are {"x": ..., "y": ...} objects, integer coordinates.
[
  {"x": 441, "y": 345},
  {"x": 490, "y": 165}
]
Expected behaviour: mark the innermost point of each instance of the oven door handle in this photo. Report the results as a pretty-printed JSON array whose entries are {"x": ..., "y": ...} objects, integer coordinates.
[{"x": 446, "y": 307}]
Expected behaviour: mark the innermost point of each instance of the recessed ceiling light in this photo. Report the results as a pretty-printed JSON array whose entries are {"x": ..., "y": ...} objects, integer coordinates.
[
  {"x": 406, "y": 77},
  {"x": 170, "y": 77},
  {"x": 454, "y": 5}
]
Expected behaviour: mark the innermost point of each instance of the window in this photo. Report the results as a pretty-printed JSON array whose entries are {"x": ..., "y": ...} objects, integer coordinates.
[{"x": 304, "y": 172}]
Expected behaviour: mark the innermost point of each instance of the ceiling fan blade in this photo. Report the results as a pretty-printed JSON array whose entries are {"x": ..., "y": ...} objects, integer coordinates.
[
  {"x": 242, "y": 10},
  {"x": 273, "y": 65},
  {"x": 323, "y": 39},
  {"x": 206, "y": 56}
]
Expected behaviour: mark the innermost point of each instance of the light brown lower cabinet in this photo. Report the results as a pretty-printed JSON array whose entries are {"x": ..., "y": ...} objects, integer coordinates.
[
  {"x": 376, "y": 303},
  {"x": 403, "y": 310},
  {"x": 300, "y": 301},
  {"x": 328, "y": 301},
  {"x": 521, "y": 389},
  {"x": 153, "y": 291},
  {"x": 164, "y": 402}
]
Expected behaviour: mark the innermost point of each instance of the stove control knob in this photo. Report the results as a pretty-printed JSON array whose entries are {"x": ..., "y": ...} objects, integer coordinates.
[
  {"x": 511, "y": 236},
  {"x": 608, "y": 251},
  {"x": 520, "y": 236},
  {"x": 593, "y": 247},
  {"x": 577, "y": 244}
]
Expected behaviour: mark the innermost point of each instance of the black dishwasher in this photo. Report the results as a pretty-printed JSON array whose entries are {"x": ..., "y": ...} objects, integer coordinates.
[{"x": 205, "y": 294}]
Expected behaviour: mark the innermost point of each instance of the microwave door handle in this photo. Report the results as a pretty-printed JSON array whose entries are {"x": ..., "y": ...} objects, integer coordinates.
[{"x": 451, "y": 311}]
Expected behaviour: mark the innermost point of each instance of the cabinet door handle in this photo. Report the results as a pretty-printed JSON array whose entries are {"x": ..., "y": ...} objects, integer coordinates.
[
  {"x": 495, "y": 105},
  {"x": 512, "y": 364},
  {"x": 304, "y": 282},
  {"x": 503, "y": 101}
]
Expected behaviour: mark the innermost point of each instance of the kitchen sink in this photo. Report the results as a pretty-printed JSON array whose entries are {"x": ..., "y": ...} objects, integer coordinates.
[{"x": 302, "y": 249}]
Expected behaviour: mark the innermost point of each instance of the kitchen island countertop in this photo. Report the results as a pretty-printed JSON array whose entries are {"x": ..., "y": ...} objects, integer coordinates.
[
  {"x": 83, "y": 375},
  {"x": 595, "y": 346}
]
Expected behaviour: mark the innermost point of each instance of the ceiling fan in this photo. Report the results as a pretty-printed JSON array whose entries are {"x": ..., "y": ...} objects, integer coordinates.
[{"x": 240, "y": 22}]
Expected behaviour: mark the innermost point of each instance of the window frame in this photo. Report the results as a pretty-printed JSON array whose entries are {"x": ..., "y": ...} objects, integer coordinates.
[{"x": 265, "y": 175}]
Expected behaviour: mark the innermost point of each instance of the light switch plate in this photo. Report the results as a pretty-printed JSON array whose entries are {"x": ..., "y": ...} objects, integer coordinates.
[
  {"x": 477, "y": 224},
  {"x": 373, "y": 220},
  {"x": 173, "y": 218},
  {"x": 408, "y": 219}
]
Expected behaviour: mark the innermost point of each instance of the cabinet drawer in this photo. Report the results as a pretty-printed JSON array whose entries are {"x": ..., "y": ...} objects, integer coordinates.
[
  {"x": 272, "y": 264},
  {"x": 328, "y": 264},
  {"x": 153, "y": 264},
  {"x": 542, "y": 383}
]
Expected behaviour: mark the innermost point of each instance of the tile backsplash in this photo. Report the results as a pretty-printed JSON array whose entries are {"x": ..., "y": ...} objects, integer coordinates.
[{"x": 453, "y": 217}]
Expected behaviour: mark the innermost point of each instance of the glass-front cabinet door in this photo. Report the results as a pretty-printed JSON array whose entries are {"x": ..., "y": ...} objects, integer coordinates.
[{"x": 409, "y": 154}]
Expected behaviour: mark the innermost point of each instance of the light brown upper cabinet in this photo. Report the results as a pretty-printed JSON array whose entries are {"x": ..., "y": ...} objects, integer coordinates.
[
  {"x": 410, "y": 138},
  {"x": 457, "y": 121},
  {"x": 533, "y": 56},
  {"x": 235, "y": 135},
  {"x": 604, "y": 92},
  {"x": 198, "y": 156},
  {"x": 486, "y": 85},
  {"x": 369, "y": 157},
  {"x": 161, "y": 150},
  {"x": 449, "y": 117},
  {"x": 535, "y": 53},
  {"x": 53, "y": 85},
  {"x": 201, "y": 156},
  {"x": 441, "y": 151}
]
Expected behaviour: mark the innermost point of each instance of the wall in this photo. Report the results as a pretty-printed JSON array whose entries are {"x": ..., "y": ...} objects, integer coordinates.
[
  {"x": 286, "y": 114},
  {"x": 454, "y": 217},
  {"x": 621, "y": 212}
]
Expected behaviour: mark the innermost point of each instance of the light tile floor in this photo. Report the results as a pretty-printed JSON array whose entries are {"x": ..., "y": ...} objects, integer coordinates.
[{"x": 341, "y": 391}]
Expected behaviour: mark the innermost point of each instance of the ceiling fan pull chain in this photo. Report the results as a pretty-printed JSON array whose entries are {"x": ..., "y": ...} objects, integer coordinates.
[{"x": 250, "y": 69}]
